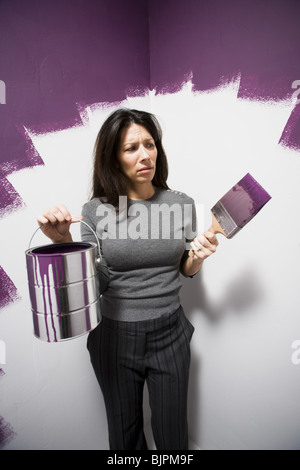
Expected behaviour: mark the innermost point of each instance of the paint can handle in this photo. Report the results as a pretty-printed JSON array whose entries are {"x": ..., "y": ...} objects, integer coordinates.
[{"x": 98, "y": 261}]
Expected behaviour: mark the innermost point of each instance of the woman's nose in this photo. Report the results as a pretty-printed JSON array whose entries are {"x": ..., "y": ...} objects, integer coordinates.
[{"x": 143, "y": 154}]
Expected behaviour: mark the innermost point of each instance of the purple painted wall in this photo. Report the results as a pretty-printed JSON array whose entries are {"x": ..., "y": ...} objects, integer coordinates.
[
  {"x": 60, "y": 53},
  {"x": 6, "y": 431},
  {"x": 53, "y": 55},
  {"x": 217, "y": 40}
]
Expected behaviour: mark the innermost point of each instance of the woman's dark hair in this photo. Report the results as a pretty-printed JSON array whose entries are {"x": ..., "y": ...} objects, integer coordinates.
[{"x": 108, "y": 180}]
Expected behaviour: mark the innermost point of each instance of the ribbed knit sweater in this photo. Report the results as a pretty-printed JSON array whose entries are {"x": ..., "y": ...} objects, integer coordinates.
[{"x": 143, "y": 247}]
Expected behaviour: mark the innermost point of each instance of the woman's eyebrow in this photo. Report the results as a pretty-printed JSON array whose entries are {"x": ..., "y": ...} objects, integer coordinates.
[{"x": 134, "y": 142}]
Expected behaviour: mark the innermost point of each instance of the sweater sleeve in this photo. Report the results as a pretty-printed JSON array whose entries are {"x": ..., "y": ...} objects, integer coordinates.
[{"x": 88, "y": 236}]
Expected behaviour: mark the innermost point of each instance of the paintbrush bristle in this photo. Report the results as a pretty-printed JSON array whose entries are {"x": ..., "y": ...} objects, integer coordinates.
[{"x": 239, "y": 205}]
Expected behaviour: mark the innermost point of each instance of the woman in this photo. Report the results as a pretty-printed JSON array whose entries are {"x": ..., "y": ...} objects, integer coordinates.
[{"x": 147, "y": 238}]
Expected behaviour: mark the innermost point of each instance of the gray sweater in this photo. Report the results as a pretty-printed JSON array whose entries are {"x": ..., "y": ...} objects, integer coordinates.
[{"x": 143, "y": 248}]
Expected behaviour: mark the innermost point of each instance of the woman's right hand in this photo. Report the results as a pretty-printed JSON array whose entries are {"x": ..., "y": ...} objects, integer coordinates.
[{"x": 55, "y": 223}]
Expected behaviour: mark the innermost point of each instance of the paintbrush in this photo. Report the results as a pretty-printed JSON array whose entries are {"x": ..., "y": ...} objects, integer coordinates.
[{"x": 238, "y": 206}]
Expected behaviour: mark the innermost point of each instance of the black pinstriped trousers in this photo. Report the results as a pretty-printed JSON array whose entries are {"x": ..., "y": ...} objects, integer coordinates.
[{"x": 126, "y": 354}]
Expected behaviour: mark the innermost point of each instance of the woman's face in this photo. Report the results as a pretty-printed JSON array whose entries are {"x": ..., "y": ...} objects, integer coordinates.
[{"x": 137, "y": 154}]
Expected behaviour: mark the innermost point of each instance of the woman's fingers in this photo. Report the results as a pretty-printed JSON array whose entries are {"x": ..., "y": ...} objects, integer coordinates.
[
  {"x": 212, "y": 238},
  {"x": 42, "y": 220},
  {"x": 59, "y": 214},
  {"x": 63, "y": 213},
  {"x": 55, "y": 215},
  {"x": 76, "y": 218},
  {"x": 204, "y": 245},
  {"x": 55, "y": 223}
]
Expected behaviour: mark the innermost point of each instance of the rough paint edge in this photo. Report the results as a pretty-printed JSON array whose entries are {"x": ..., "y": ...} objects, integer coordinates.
[
  {"x": 6, "y": 433},
  {"x": 251, "y": 96},
  {"x": 33, "y": 159},
  {"x": 174, "y": 87},
  {"x": 13, "y": 202},
  {"x": 52, "y": 127},
  {"x": 285, "y": 138},
  {"x": 11, "y": 292},
  {"x": 86, "y": 111},
  {"x": 137, "y": 92}
]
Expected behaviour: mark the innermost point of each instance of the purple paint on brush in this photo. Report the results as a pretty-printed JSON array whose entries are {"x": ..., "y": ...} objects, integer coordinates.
[
  {"x": 244, "y": 200},
  {"x": 239, "y": 205},
  {"x": 8, "y": 291}
]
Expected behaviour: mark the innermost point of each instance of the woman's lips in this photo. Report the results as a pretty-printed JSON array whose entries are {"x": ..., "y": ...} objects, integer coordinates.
[{"x": 145, "y": 170}]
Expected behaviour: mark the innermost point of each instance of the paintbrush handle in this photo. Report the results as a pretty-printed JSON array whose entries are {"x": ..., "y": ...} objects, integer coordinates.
[{"x": 215, "y": 226}]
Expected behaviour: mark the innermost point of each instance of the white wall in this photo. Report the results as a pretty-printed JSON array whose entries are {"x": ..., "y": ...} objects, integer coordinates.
[
  {"x": 244, "y": 391},
  {"x": 244, "y": 388}
]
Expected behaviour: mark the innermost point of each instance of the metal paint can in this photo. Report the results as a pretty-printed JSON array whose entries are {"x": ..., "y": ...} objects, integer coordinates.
[{"x": 64, "y": 289}]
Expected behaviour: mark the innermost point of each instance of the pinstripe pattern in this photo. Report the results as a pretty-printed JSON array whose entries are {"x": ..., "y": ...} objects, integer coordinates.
[{"x": 125, "y": 355}]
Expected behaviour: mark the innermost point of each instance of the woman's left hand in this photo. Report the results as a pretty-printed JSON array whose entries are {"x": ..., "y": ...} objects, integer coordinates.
[{"x": 203, "y": 246}]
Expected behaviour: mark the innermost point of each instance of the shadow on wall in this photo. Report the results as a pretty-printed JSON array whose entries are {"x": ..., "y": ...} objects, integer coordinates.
[{"x": 239, "y": 295}]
